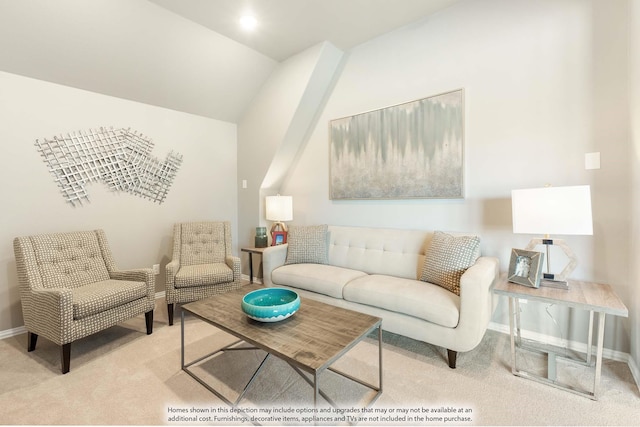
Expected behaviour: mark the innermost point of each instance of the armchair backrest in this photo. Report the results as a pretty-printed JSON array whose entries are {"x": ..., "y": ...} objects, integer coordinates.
[
  {"x": 63, "y": 260},
  {"x": 202, "y": 242}
]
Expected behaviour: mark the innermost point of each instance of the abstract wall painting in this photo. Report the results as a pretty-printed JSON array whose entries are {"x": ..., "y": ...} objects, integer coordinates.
[
  {"x": 410, "y": 150},
  {"x": 120, "y": 158}
]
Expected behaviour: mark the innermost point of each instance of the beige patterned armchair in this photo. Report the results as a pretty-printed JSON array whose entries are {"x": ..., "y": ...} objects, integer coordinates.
[
  {"x": 70, "y": 288},
  {"x": 202, "y": 264}
]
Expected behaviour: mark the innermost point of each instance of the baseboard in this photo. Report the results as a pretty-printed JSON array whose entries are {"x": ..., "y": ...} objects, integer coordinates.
[
  {"x": 575, "y": 346},
  {"x": 255, "y": 279},
  {"x": 12, "y": 332}
]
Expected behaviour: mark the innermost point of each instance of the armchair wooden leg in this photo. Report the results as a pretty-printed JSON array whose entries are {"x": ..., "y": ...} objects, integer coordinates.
[
  {"x": 65, "y": 353},
  {"x": 148, "y": 316},
  {"x": 31, "y": 341},
  {"x": 452, "y": 358},
  {"x": 170, "y": 311}
]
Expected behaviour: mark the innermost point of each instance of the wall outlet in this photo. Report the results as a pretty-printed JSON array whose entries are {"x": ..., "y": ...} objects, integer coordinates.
[{"x": 156, "y": 268}]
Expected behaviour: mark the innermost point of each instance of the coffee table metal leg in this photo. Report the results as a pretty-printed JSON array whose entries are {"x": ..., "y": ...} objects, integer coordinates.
[
  {"x": 379, "y": 360},
  {"x": 182, "y": 339},
  {"x": 316, "y": 389}
]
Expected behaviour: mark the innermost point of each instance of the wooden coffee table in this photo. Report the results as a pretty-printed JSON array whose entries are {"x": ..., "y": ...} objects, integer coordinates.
[{"x": 311, "y": 340}]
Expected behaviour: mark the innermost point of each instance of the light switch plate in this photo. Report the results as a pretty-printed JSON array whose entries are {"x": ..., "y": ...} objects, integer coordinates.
[{"x": 592, "y": 160}]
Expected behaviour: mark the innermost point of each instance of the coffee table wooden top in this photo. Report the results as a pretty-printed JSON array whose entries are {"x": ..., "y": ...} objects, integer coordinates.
[{"x": 312, "y": 339}]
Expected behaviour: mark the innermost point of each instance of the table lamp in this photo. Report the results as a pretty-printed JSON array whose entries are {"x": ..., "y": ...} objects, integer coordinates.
[
  {"x": 552, "y": 211},
  {"x": 279, "y": 209}
]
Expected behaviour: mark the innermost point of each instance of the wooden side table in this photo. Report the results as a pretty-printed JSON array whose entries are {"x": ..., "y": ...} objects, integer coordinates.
[
  {"x": 594, "y": 297},
  {"x": 252, "y": 251}
]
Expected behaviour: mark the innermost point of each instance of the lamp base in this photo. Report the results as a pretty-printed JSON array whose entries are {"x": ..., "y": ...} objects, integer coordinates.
[
  {"x": 278, "y": 226},
  {"x": 568, "y": 269}
]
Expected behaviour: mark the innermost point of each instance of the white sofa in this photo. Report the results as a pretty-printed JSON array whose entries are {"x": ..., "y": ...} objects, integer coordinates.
[{"x": 377, "y": 271}]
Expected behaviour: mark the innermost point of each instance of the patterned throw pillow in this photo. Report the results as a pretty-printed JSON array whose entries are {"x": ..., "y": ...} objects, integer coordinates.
[
  {"x": 307, "y": 244},
  {"x": 448, "y": 258}
]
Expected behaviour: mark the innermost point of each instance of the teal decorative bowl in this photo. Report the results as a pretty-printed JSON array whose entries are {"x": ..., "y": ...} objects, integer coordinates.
[{"x": 270, "y": 304}]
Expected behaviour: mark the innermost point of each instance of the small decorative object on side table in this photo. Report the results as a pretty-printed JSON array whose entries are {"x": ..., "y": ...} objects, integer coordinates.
[
  {"x": 525, "y": 267},
  {"x": 278, "y": 238},
  {"x": 252, "y": 251},
  {"x": 594, "y": 297},
  {"x": 261, "y": 237}
]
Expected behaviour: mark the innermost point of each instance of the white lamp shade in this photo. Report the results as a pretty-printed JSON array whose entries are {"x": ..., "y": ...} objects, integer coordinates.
[
  {"x": 279, "y": 208},
  {"x": 552, "y": 210}
]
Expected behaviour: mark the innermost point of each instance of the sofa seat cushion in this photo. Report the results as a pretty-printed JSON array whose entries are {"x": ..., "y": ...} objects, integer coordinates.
[
  {"x": 412, "y": 297},
  {"x": 320, "y": 278},
  {"x": 203, "y": 274},
  {"x": 101, "y": 296}
]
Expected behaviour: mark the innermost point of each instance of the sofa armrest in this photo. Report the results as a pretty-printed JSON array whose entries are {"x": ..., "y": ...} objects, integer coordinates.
[
  {"x": 476, "y": 300},
  {"x": 234, "y": 264},
  {"x": 171, "y": 269},
  {"x": 272, "y": 258},
  {"x": 50, "y": 314},
  {"x": 138, "y": 275}
]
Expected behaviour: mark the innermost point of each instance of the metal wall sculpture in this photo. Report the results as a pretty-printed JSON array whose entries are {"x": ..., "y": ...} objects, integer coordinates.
[
  {"x": 411, "y": 150},
  {"x": 120, "y": 158}
]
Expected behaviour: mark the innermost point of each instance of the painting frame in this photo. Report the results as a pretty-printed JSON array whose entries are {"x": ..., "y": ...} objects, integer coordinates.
[
  {"x": 525, "y": 267},
  {"x": 411, "y": 150}
]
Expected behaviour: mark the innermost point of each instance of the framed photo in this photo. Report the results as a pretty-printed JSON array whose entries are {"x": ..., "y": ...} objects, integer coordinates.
[
  {"x": 278, "y": 238},
  {"x": 525, "y": 267}
]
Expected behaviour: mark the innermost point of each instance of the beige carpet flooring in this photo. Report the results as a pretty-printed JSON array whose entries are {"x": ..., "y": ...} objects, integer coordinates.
[{"x": 121, "y": 376}]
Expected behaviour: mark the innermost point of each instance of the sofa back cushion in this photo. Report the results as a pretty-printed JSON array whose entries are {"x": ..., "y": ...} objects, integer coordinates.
[
  {"x": 392, "y": 252},
  {"x": 69, "y": 260},
  {"x": 202, "y": 243}
]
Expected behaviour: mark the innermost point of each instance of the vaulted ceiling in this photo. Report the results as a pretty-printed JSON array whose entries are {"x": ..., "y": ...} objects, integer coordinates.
[
  {"x": 287, "y": 27},
  {"x": 186, "y": 55}
]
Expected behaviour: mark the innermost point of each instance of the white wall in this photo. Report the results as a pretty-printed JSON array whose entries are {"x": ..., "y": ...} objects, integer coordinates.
[
  {"x": 139, "y": 231},
  {"x": 545, "y": 83}
]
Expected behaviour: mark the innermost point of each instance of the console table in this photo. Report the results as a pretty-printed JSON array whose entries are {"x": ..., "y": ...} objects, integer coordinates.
[{"x": 594, "y": 297}]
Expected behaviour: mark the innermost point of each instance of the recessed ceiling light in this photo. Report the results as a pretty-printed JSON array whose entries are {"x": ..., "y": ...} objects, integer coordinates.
[{"x": 248, "y": 22}]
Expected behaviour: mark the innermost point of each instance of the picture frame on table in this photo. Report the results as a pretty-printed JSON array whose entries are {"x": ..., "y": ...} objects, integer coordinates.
[
  {"x": 278, "y": 238},
  {"x": 525, "y": 267}
]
